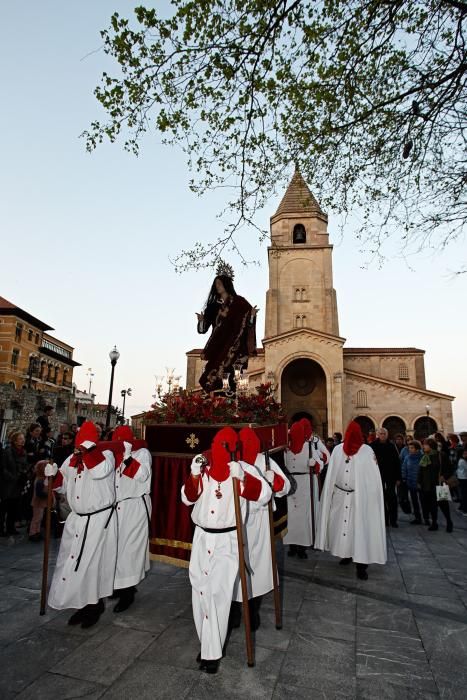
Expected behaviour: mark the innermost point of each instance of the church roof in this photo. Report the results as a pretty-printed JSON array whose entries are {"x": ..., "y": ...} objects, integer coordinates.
[
  {"x": 383, "y": 351},
  {"x": 298, "y": 198}
]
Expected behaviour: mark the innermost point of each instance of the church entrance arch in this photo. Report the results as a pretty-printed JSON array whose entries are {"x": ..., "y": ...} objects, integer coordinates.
[
  {"x": 423, "y": 427},
  {"x": 304, "y": 393},
  {"x": 365, "y": 423},
  {"x": 394, "y": 425}
]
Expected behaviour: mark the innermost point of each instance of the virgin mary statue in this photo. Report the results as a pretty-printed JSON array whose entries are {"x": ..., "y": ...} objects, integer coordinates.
[{"x": 233, "y": 337}]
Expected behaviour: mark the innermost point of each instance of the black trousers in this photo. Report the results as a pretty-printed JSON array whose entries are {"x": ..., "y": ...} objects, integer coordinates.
[
  {"x": 463, "y": 494},
  {"x": 9, "y": 508},
  {"x": 414, "y": 497},
  {"x": 430, "y": 505},
  {"x": 390, "y": 501}
]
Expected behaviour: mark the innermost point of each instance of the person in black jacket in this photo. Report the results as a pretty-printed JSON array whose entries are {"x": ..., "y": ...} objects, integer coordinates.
[
  {"x": 15, "y": 470},
  {"x": 43, "y": 419},
  {"x": 390, "y": 470},
  {"x": 434, "y": 470}
]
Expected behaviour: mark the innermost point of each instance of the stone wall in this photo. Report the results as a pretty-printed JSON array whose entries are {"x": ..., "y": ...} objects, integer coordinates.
[{"x": 20, "y": 408}]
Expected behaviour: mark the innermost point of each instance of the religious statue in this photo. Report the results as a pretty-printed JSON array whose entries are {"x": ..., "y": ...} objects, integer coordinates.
[{"x": 233, "y": 337}]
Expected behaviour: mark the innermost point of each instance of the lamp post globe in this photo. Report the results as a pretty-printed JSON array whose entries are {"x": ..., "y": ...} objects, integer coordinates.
[{"x": 113, "y": 355}]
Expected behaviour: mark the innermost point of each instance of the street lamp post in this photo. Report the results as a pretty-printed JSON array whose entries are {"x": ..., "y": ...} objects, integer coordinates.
[
  {"x": 124, "y": 393},
  {"x": 90, "y": 374},
  {"x": 114, "y": 355}
]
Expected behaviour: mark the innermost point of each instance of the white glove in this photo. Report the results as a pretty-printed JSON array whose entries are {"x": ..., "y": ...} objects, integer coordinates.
[
  {"x": 269, "y": 476},
  {"x": 236, "y": 471},
  {"x": 128, "y": 448},
  {"x": 312, "y": 462},
  {"x": 50, "y": 469},
  {"x": 196, "y": 464}
]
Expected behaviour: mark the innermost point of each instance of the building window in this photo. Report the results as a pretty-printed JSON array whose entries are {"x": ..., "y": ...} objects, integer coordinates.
[
  {"x": 303, "y": 321},
  {"x": 37, "y": 339},
  {"x": 18, "y": 332},
  {"x": 298, "y": 321},
  {"x": 362, "y": 399},
  {"x": 48, "y": 345},
  {"x": 30, "y": 335},
  {"x": 14, "y": 357},
  {"x": 403, "y": 372},
  {"x": 299, "y": 233},
  {"x": 298, "y": 294},
  {"x": 303, "y": 291}
]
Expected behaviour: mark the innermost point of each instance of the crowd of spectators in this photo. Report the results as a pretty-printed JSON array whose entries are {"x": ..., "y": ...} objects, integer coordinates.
[{"x": 23, "y": 486}]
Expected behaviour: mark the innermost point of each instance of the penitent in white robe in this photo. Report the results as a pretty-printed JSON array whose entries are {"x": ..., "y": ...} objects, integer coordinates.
[
  {"x": 351, "y": 522},
  {"x": 89, "y": 533},
  {"x": 132, "y": 487},
  {"x": 258, "y": 538},
  {"x": 214, "y": 559}
]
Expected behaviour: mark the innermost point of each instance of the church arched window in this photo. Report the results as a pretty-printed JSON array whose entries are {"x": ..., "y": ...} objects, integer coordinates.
[
  {"x": 298, "y": 294},
  {"x": 299, "y": 233},
  {"x": 303, "y": 321},
  {"x": 362, "y": 399},
  {"x": 403, "y": 372},
  {"x": 298, "y": 321}
]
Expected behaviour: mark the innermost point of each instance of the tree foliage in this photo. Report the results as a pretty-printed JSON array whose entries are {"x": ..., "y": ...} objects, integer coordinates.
[{"x": 367, "y": 96}]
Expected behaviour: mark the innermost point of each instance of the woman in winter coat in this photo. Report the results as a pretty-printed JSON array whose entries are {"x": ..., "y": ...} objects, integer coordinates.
[
  {"x": 410, "y": 468},
  {"x": 14, "y": 476},
  {"x": 433, "y": 471}
]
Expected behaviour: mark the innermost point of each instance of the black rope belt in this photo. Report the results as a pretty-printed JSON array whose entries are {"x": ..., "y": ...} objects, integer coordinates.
[
  {"x": 217, "y": 530},
  {"x": 88, "y": 516},
  {"x": 345, "y": 490},
  {"x": 300, "y": 473}
]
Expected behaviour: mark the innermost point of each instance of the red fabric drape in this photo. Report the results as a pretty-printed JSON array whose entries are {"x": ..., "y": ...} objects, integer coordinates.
[{"x": 171, "y": 525}]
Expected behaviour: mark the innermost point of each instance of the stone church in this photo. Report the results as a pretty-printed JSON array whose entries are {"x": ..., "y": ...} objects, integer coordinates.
[{"x": 304, "y": 356}]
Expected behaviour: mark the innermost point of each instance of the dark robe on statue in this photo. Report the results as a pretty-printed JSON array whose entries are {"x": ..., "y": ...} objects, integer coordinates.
[{"x": 233, "y": 340}]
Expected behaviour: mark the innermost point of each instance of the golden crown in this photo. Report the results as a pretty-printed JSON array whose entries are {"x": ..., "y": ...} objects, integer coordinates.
[{"x": 223, "y": 268}]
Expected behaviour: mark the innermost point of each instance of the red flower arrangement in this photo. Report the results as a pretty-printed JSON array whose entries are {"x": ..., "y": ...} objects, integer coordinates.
[{"x": 187, "y": 407}]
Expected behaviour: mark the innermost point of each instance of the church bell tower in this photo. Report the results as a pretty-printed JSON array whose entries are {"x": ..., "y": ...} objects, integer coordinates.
[
  {"x": 301, "y": 293},
  {"x": 302, "y": 347}
]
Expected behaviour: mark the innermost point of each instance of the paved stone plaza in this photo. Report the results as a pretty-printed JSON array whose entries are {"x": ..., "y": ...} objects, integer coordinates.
[{"x": 402, "y": 634}]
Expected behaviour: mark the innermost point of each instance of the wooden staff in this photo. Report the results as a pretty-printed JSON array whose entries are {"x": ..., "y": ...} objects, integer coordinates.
[
  {"x": 275, "y": 576},
  {"x": 45, "y": 561},
  {"x": 312, "y": 491},
  {"x": 242, "y": 567}
]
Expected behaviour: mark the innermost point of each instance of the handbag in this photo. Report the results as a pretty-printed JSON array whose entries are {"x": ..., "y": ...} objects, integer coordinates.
[{"x": 443, "y": 493}]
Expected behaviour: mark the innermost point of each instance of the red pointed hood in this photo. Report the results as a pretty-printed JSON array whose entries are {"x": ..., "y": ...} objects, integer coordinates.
[
  {"x": 87, "y": 435},
  {"x": 223, "y": 444},
  {"x": 296, "y": 437},
  {"x": 123, "y": 433},
  {"x": 353, "y": 439},
  {"x": 307, "y": 427},
  {"x": 250, "y": 445}
]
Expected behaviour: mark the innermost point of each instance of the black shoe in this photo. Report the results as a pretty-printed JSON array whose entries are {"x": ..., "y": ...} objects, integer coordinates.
[
  {"x": 301, "y": 552},
  {"x": 77, "y": 617},
  {"x": 35, "y": 538},
  {"x": 210, "y": 665},
  {"x": 417, "y": 521},
  {"x": 126, "y": 598},
  {"x": 449, "y": 527},
  {"x": 433, "y": 527},
  {"x": 345, "y": 561},
  {"x": 362, "y": 572},
  {"x": 292, "y": 550},
  {"x": 91, "y": 614}
]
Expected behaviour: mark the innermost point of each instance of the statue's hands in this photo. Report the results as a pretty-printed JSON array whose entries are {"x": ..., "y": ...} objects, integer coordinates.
[{"x": 200, "y": 317}]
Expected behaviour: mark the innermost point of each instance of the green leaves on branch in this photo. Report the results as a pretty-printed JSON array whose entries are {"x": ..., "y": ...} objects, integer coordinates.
[{"x": 368, "y": 97}]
